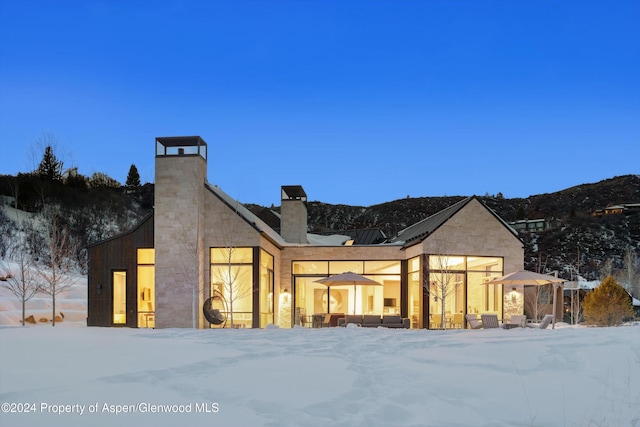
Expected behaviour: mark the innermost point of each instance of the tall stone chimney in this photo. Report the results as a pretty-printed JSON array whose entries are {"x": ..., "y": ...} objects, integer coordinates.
[
  {"x": 181, "y": 170},
  {"x": 293, "y": 214}
]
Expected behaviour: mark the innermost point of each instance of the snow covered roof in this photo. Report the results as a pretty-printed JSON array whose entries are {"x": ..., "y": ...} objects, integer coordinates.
[{"x": 331, "y": 240}]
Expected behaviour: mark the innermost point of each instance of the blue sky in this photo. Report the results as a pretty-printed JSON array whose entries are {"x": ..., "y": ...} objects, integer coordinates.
[{"x": 360, "y": 102}]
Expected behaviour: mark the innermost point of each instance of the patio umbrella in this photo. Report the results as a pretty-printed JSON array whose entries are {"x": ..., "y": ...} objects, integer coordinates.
[
  {"x": 347, "y": 279},
  {"x": 530, "y": 278}
]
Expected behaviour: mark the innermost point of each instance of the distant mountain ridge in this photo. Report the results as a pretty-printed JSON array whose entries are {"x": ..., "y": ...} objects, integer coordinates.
[
  {"x": 593, "y": 239},
  {"x": 583, "y": 241}
]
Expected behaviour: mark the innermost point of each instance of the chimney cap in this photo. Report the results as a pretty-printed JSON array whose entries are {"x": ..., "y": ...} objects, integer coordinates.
[{"x": 293, "y": 192}]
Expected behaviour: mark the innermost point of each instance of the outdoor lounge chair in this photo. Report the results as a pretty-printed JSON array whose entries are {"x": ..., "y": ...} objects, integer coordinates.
[
  {"x": 473, "y": 321},
  {"x": 489, "y": 321},
  {"x": 516, "y": 321},
  {"x": 546, "y": 321}
]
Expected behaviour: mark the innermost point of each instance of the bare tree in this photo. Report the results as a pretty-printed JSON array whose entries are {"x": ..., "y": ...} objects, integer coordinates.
[
  {"x": 534, "y": 306},
  {"x": 57, "y": 277},
  {"x": 20, "y": 275},
  {"x": 537, "y": 300},
  {"x": 232, "y": 277},
  {"x": 629, "y": 274},
  {"x": 575, "y": 308},
  {"x": 191, "y": 270},
  {"x": 607, "y": 269},
  {"x": 443, "y": 280}
]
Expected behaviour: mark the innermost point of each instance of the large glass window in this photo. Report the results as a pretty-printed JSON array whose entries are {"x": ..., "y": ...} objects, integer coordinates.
[
  {"x": 232, "y": 276},
  {"x": 312, "y": 298},
  {"x": 447, "y": 299},
  {"x": 458, "y": 285},
  {"x": 266, "y": 288},
  {"x": 415, "y": 292},
  {"x": 119, "y": 279},
  {"x": 481, "y": 297},
  {"x": 311, "y": 267},
  {"x": 146, "y": 288}
]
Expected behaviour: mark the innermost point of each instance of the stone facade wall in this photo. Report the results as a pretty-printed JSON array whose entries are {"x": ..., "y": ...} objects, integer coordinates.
[
  {"x": 475, "y": 231},
  {"x": 293, "y": 221},
  {"x": 179, "y": 191}
]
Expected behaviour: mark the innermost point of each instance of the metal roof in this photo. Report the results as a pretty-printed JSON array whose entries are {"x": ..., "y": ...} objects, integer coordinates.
[
  {"x": 181, "y": 141},
  {"x": 366, "y": 236},
  {"x": 293, "y": 192}
]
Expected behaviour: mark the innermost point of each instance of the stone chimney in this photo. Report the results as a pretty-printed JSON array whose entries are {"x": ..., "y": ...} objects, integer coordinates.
[
  {"x": 293, "y": 212},
  {"x": 181, "y": 171}
]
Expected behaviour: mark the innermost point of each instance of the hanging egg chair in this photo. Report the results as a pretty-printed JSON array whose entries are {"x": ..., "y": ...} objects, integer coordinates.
[{"x": 214, "y": 308}]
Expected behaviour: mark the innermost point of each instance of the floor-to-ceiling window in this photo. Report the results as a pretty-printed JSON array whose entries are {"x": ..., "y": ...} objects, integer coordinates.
[
  {"x": 232, "y": 276},
  {"x": 415, "y": 292},
  {"x": 315, "y": 298},
  {"x": 457, "y": 286},
  {"x": 146, "y": 288},
  {"x": 481, "y": 297},
  {"x": 119, "y": 281},
  {"x": 446, "y": 291},
  {"x": 266, "y": 288}
]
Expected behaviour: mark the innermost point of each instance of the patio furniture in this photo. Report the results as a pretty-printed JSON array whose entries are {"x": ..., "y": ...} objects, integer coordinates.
[
  {"x": 458, "y": 320},
  {"x": 436, "y": 321},
  {"x": 354, "y": 319},
  {"x": 489, "y": 321},
  {"x": 473, "y": 321},
  {"x": 395, "y": 321},
  {"x": 516, "y": 321},
  {"x": 371, "y": 321},
  {"x": 319, "y": 320},
  {"x": 546, "y": 321}
]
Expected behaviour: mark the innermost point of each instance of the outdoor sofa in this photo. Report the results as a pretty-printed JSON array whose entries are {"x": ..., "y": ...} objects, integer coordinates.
[{"x": 374, "y": 321}]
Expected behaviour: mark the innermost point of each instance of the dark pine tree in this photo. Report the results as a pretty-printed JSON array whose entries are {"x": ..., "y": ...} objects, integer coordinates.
[
  {"x": 50, "y": 168},
  {"x": 133, "y": 178}
]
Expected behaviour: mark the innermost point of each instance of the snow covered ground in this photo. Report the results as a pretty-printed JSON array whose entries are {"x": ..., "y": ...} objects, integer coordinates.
[
  {"x": 71, "y": 375},
  {"x": 320, "y": 377}
]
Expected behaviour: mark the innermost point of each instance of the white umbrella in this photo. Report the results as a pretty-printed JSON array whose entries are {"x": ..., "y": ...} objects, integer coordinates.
[
  {"x": 347, "y": 279},
  {"x": 530, "y": 278}
]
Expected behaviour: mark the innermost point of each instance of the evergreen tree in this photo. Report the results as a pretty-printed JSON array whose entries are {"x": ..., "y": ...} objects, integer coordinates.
[
  {"x": 50, "y": 168},
  {"x": 608, "y": 305},
  {"x": 133, "y": 178}
]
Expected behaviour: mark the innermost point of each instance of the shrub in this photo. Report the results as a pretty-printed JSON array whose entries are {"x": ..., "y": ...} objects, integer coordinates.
[{"x": 608, "y": 305}]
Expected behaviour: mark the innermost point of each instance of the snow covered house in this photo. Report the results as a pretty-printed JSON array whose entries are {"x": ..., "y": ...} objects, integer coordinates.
[{"x": 199, "y": 243}]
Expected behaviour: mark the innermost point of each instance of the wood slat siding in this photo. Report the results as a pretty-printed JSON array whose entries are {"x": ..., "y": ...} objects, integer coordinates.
[{"x": 118, "y": 253}]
